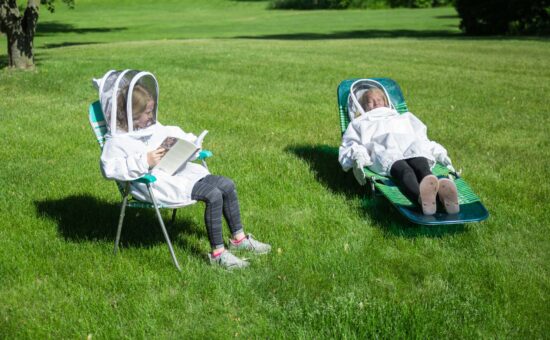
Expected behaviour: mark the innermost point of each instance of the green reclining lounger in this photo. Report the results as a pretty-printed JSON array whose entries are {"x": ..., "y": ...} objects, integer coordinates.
[{"x": 471, "y": 208}]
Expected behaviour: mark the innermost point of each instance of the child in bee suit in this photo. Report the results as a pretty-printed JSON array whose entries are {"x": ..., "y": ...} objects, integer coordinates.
[
  {"x": 396, "y": 145},
  {"x": 129, "y": 100}
]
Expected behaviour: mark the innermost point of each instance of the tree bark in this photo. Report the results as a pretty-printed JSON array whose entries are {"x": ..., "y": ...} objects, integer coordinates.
[{"x": 19, "y": 31}]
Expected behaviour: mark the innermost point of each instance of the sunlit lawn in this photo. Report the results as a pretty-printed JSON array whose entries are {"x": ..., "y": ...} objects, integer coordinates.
[{"x": 264, "y": 84}]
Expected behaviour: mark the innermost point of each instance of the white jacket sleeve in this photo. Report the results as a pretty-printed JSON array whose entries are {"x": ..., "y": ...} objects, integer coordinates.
[
  {"x": 436, "y": 149},
  {"x": 351, "y": 149},
  {"x": 116, "y": 165}
]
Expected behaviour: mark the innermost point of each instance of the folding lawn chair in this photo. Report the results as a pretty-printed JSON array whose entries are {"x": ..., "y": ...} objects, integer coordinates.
[
  {"x": 471, "y": 208},
  {"x": 97, "y": 121}
]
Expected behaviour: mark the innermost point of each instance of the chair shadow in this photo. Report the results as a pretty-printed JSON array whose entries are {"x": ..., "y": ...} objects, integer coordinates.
[
  {"x": 86, "y": 219},
  {"x": 323, "y": 161}
]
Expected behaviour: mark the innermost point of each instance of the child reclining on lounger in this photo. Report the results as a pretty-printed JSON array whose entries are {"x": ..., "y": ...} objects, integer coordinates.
[{"x": 396, "y": 145}]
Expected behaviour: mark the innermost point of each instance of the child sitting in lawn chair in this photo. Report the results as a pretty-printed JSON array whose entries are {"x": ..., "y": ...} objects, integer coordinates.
[
  {"x": 129, "y": 100},
  {"x": 396, "y": 145}
]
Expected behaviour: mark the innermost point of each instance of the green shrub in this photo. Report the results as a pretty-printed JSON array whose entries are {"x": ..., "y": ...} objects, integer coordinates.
[
  {"x": 414, "y": 3},
  {"x": 309, "y": 4},
  {"x": 485, "y": 17},
  {"x": 370, "y": 4}
]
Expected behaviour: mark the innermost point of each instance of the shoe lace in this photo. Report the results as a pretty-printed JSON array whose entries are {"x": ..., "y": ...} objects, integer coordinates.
[{"x": 253, "y": 242}]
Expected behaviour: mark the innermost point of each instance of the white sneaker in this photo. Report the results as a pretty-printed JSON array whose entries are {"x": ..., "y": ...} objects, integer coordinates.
[
  {"x": 249, "y": 243},
  {"x": 228, "y": 261}
]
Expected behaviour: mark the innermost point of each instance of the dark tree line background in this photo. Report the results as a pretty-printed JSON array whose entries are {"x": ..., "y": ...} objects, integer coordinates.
[
  {"x": 478, "y": 17},
  {"x": 342, "y": 4},
  {"x": 485, "y": 17}
]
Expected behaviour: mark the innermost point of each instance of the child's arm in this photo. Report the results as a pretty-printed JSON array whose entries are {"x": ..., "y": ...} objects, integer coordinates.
[
  {"x": 118, "y": 166},
  {"x": 351, "y": 150},
  {"x": 437, "y": 150}
]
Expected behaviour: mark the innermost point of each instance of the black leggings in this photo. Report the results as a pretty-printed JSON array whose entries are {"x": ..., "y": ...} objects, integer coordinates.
[
  {"x": 408, "y": 173},
  {"x": 219, "y": 194}
]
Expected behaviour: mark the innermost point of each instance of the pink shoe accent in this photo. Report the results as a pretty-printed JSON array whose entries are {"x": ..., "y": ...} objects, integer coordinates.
[
  {"x": 216, "y": 253},
  {"x": 237, "y": 242}
]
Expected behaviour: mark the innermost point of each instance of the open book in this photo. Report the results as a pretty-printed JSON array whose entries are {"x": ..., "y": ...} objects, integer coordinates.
[{"x": 178, "y": 152}]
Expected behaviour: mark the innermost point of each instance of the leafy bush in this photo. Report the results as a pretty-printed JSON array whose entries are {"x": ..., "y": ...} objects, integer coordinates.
[
  {"x": 417, "y": 3},
  {"x": 309, "y": 4},
  {"x": 484, "y": 17},
  {"x": 371, "y": 4}
]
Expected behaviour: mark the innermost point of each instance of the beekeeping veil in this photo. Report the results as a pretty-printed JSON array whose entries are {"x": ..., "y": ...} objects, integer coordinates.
[
  {"x": 357, "y": 90},
  {"x": 129, "y": 100}
]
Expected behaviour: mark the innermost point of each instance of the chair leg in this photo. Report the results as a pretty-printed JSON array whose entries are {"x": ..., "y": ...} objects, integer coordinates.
[
  {"x": 161, "y": 222},
  {"x": 121, "y": 218},
  {"x": 173, "y": 216}
]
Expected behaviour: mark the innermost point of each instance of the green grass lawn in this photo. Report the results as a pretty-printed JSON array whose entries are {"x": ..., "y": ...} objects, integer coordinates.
[{"x": 264, "y": 84}]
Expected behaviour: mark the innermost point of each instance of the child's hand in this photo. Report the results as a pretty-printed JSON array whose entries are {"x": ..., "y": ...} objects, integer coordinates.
[
  {"x": 154, "y": 157},
  {"x": 362, "y": 159}
]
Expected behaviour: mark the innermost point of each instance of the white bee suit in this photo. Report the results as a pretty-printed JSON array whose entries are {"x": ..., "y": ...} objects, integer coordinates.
[
  {"x": 380, "y": 137},
  {"x": 387, "y": 136},
  {"x": 124, "y": 156}
]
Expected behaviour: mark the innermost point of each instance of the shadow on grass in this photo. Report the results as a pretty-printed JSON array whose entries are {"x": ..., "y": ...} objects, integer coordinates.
[
  {"x": 323, "y": 161},
  {"x": 3, "y": 61},
  {"x": 399, "y": 33},
  {"x": 53, "y": 27},
  {"x": 84, "y": 218},
  {"x": 359, "y": 34},
  {"x": 451, "y": 16},
  {"x": 67, "y": 43}
]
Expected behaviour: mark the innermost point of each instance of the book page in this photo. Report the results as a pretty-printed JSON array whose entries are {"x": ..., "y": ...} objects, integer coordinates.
[
  {"x": 179, "y": 152},
  {"x": 200, "y": 138}
]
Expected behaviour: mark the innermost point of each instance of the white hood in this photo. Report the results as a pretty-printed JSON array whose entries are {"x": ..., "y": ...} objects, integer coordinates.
[
  {"x": 118, "y": 91},
  {"x": 357, "y": 89}
]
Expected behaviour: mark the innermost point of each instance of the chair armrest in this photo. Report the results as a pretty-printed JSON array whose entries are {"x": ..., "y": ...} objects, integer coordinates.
[
  {"x": 148, "y": 178},
  {"x": 204, "y": 154}
]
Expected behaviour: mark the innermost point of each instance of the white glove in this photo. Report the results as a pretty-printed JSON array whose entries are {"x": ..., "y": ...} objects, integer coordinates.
[
  {"x": 445, "y": 160},
  {"x": 362, "y": 159}
]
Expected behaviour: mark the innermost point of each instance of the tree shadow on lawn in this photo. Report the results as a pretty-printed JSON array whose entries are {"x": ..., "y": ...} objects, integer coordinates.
[
  {"x": 69, "y": 43},
  {"x": 53, "y": 27},
  {"x": 358, "y": 34},
  {"x": 3, "y": 61},
  {"x": 376, "y": 33},
  {"x": 323, "y": 161},
  {"x": 84, "y": 218},
  {"x": 450, "y": 16}
]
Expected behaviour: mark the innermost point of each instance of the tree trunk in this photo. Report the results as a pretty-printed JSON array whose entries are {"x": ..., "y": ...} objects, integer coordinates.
[{"x": 19, "y": 32}]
